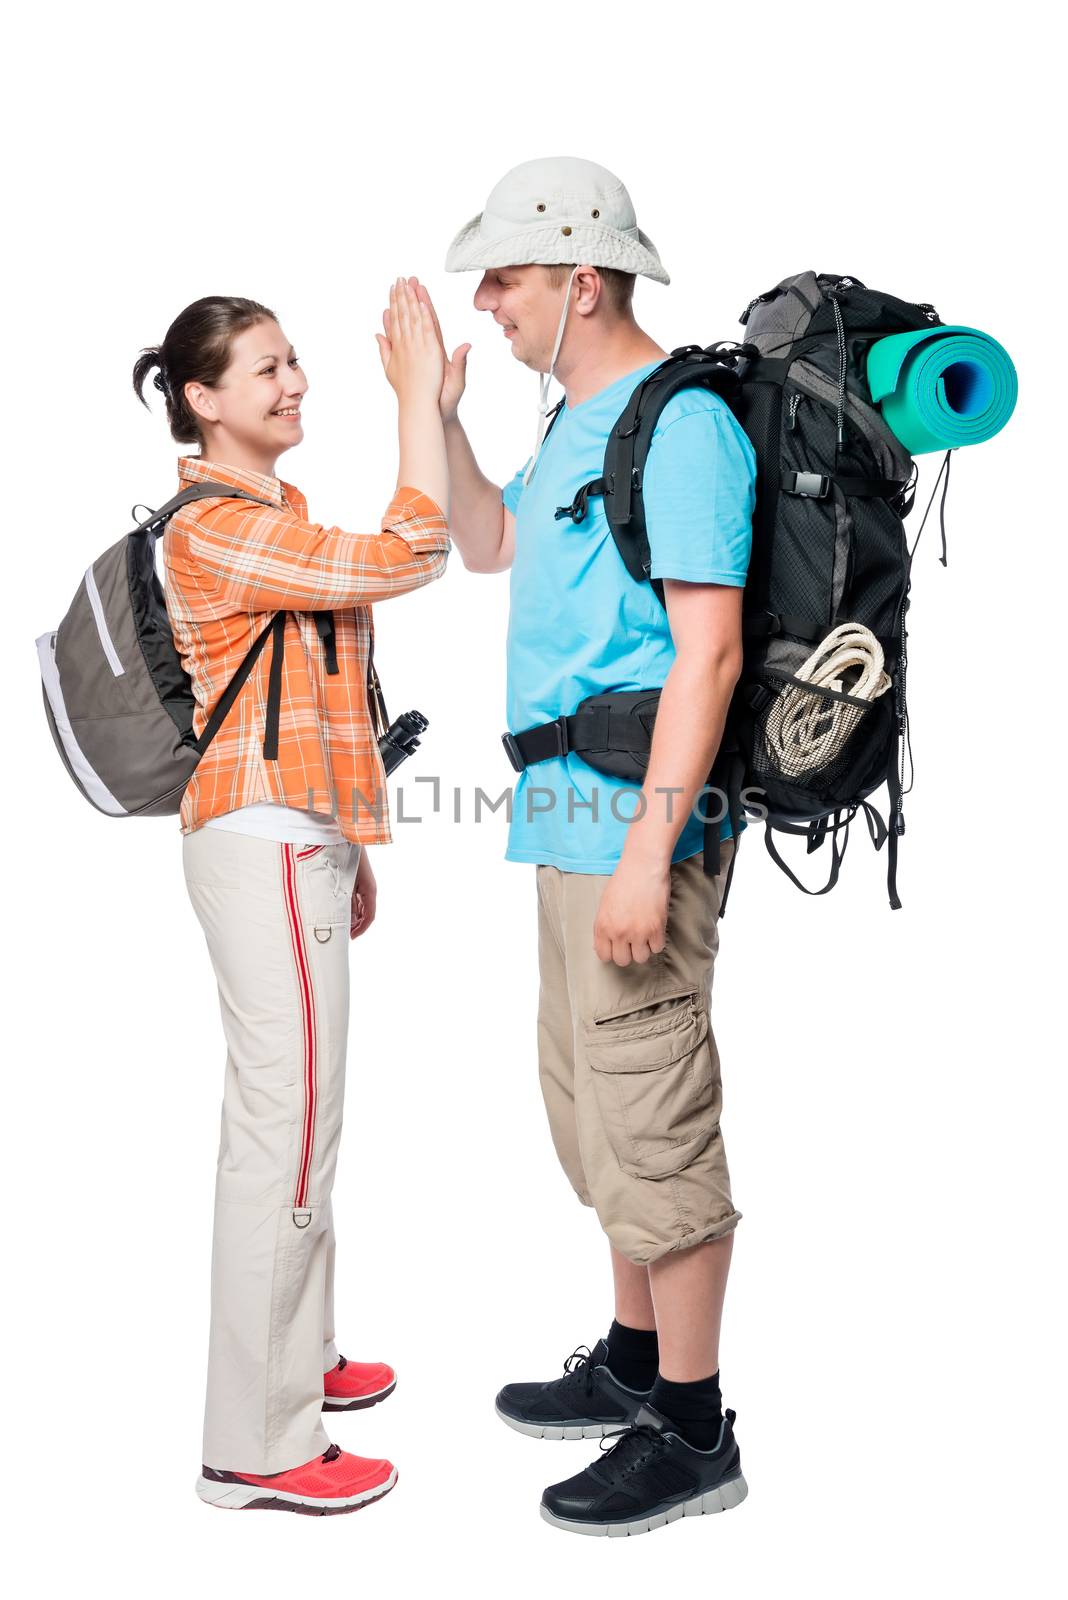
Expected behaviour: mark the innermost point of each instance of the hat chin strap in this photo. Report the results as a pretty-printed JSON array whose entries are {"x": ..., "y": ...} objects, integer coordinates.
[{"x": 545, "y": 380}]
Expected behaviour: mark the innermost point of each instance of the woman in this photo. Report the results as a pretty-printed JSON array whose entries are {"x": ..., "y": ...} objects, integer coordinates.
[{"x": 274, "y": 826}]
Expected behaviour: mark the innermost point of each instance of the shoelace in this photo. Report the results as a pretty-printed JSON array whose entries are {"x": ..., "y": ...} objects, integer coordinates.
[
  {"x": 633, "y": 1448},
  {"x": 579, "y": 1368}
]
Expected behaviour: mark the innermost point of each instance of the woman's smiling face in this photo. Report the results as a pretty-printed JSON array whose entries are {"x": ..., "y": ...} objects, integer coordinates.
[{"x": 255, "y": 407}]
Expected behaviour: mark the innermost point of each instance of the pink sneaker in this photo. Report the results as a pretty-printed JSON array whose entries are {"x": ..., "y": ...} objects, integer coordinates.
[
  {"x": 354, "y": 1385},
  {"x": 320, "y": 1488}
]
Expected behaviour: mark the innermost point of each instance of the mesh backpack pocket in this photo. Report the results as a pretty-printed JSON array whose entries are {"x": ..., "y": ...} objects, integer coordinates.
[{"x": 813, "y": 748}]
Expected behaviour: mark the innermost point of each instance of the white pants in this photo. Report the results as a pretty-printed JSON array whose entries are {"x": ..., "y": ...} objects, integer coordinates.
[{"x": 276, "y": 919}]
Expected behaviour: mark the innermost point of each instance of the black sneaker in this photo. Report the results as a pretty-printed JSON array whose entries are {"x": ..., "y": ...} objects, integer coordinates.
[
  {"x": 649, "y": 1477},
  {"x": 586, "y": 1403}
]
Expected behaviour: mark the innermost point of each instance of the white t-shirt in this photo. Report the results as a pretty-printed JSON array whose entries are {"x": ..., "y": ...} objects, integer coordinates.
[{"x": 286, "y": 824}]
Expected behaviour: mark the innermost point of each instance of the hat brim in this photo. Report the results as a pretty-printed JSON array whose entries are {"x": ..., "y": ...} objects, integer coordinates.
[{"x": 549, "y": 247}]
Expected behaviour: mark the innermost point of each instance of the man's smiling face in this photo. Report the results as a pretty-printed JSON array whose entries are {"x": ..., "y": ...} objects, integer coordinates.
[{"x": 527, "y": 306}]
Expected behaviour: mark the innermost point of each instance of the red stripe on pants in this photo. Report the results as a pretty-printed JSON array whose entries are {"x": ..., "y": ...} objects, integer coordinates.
[{"x": 307, "y": 1001}]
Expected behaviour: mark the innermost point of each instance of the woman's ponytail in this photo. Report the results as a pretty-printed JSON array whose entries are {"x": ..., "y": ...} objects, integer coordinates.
[{"x": 196, "y": 349}]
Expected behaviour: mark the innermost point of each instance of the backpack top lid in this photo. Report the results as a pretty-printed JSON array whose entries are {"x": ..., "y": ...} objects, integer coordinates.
[{"x": 801, "y": 306}]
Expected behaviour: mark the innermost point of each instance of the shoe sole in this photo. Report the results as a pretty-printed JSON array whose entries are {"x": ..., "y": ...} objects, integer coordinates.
[
  {"x": 362, "y": 1403},
  {"x": 551, "y": 1430},
  {"x": 253, "y": 1497},
  {"x": 723, "y": 1498}
]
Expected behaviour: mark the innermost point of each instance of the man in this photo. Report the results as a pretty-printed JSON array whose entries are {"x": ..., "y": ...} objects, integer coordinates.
[{"x": 628, "y": 918}]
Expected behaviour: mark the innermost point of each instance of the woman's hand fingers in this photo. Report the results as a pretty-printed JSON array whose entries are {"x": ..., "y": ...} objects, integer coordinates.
[
  {"x": 419, "y": 329},
  {"x": 401, "y": 300},
  {"x": 426, "y": 322},
  {"x": 413, "y": 349},
  {"x": 391, "y": 313},
  {"x": 404, "y": 316},
  {"x": 423, "y": 294},
  {"x": 362, "y": 912},
  {"x": 421, "y": 325}
]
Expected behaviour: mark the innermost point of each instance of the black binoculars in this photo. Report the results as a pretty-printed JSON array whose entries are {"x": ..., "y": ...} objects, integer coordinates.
[{"x": 401, "y": 738}]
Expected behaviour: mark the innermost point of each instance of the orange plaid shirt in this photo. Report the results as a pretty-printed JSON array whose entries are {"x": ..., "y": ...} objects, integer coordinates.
[{"x": 229, "y": 566}]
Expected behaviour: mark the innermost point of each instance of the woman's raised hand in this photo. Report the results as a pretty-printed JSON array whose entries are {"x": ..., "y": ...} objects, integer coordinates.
[
  {"x": 454, "y": 368},
  {"x": 410, "y": 348}
]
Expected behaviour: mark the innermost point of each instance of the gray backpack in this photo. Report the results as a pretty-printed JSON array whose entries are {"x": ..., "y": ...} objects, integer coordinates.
[{"x": 118, "y": 700}]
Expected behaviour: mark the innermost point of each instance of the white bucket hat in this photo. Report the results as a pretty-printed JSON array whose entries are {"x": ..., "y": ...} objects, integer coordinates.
[{"x": 554, "y": 211}]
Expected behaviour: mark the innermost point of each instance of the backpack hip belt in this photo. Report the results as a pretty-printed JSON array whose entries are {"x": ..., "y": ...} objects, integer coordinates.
[{"x": 603, "y": 726}]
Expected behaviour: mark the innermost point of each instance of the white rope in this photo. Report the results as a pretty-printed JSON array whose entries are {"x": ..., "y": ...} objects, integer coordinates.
[{"x": 805, "y": 731}]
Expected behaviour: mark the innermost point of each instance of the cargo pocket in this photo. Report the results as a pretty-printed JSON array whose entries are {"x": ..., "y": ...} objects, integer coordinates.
[{"x": 652, "y": 1074}]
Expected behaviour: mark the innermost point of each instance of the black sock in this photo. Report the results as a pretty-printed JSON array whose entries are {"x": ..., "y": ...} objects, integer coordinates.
[
  {"x": 633, "y": 1354},
  {"x": 695, "y": 1408}
]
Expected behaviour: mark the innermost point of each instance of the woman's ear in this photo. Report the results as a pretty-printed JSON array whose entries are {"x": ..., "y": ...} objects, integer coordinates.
[{"x": 201, "y": 402}]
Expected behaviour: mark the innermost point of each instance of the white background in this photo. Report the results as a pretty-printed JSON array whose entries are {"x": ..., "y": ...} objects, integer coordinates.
[{"x": 895, "y": 1107}]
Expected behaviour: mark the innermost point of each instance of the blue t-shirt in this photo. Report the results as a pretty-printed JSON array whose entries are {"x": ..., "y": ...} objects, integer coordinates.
[{"x": 580, "y": 625}]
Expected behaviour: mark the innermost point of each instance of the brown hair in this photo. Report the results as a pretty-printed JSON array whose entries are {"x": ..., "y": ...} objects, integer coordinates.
[
  {"x": 618, "y": 286},
  {"x": 195, "y": 349}
]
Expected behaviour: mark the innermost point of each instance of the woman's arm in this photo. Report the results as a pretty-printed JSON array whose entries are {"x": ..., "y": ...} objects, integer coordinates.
[
  {"x": 413, "y": 362},
  {"x": 266, "y": 558}
]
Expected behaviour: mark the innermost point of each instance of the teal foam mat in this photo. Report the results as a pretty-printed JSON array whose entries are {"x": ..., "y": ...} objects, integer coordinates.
[{"x": 940, "y": 388}]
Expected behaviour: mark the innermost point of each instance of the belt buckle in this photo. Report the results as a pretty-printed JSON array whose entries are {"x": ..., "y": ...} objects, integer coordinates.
[{"x": 512, "y": 751}]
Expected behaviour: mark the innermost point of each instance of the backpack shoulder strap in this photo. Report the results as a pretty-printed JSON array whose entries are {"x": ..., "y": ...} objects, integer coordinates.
[
  {"x": 275, "y": 629},
  {"x": 689, "y": 367},
  {"x": 196, "y": 491}
]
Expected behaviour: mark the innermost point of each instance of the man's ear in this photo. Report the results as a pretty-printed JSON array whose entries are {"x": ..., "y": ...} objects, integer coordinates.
[{"x": 590, "y": 290}]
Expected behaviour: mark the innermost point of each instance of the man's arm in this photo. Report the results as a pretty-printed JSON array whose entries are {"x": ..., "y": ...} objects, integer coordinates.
[
  {"x": 706, "y": 626},
  {"x": 482, "y": 529}
]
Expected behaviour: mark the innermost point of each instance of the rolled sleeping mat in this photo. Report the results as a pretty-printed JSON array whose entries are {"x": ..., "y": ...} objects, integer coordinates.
[{"x": 940, "y": 388}]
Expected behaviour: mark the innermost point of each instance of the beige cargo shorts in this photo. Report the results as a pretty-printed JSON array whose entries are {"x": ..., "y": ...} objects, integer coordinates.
[{"x": 629, "y": 1067}]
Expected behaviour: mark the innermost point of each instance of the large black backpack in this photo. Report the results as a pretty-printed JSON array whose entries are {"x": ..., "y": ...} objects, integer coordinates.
[{"x": 829, "y": 549}]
